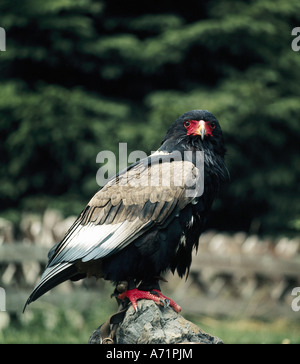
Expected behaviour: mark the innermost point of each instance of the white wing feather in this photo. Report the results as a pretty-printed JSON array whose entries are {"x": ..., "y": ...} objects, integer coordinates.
[{"x": 97, "y": 241}]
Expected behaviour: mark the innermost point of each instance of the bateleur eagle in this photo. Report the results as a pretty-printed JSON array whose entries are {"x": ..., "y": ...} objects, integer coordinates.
[{"x": 148, "y": 218}]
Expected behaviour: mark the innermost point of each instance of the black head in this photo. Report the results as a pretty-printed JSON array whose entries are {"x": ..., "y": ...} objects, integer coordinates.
[{"x": 195, "y": 129}]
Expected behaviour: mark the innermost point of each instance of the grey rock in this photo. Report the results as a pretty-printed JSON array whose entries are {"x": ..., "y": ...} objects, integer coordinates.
[{"x": 153, "y": 324}]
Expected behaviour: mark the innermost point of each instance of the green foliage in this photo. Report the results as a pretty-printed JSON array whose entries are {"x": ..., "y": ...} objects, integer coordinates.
[
  {"x": 51, "y": 139},
  {"x": 81, "y": 76}
]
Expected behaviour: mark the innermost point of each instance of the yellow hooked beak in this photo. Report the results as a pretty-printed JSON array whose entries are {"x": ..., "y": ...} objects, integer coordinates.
[{"x": 201, "y": 129}]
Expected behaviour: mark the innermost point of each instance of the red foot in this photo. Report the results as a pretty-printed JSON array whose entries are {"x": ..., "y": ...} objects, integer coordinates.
[{"x": 135, "y": 294}]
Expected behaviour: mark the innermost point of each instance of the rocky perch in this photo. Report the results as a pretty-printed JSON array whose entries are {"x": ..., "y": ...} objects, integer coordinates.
[{"x": 153, "y": 324}]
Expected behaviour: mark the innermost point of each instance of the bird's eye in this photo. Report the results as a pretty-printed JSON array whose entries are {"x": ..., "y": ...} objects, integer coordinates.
[
  {"x": 212, "y": 124},
  {"x": 186, "y": 123}
]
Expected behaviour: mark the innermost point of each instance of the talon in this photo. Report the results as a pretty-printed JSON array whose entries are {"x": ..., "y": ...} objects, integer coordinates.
[
  {"x": 172, "y": 303},
  {"x": 162, "y": 302}
]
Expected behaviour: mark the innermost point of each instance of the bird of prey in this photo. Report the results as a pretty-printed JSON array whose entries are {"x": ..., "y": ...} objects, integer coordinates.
[{"x": 147, "y": 219}]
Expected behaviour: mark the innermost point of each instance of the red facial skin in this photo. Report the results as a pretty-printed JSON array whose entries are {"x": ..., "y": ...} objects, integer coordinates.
[{"x": 195, "y": 126}]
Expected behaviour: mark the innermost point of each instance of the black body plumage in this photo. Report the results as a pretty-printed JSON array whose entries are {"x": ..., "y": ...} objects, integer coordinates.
[{"x": 136, "y": 233}]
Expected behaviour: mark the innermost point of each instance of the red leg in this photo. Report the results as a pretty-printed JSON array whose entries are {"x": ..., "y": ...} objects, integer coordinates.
[
  {"x": 172, "y": 303},
  {"x": 135, "y": 294}
]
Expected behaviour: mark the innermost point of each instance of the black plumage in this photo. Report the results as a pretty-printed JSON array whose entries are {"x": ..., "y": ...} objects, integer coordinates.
[{"x": 135, "y": 230}]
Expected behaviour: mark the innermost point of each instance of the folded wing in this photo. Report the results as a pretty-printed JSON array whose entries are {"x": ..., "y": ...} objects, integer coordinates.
[{"x": 148, "y": 193}]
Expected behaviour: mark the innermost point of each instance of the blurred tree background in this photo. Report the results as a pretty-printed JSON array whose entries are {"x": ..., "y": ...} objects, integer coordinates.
[{"x": 80, "y": 76}]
